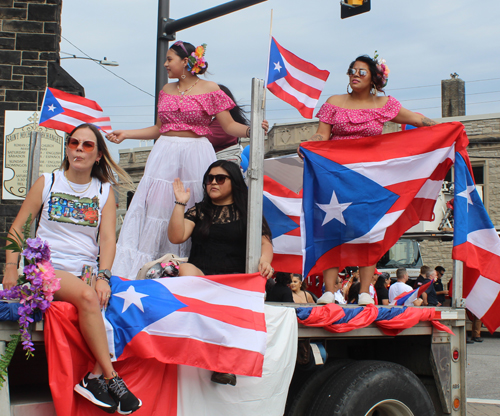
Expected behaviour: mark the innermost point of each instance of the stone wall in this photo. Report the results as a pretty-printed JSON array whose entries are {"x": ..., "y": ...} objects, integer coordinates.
[
  {"x": 438, "y": 253},
  {"x": 29, "y": 43}
]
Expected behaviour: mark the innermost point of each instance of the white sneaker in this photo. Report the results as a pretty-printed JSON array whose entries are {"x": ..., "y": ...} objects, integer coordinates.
[
  {"x": 365, "y": 299},
  {"x": 328, "y": 297}
]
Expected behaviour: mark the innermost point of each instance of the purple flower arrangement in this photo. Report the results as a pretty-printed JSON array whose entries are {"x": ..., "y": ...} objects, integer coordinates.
[{"x": 36, "y": 287}]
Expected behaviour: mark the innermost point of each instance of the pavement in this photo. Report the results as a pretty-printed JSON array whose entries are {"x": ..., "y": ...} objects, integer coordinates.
[{"x": 483, "y": 370}]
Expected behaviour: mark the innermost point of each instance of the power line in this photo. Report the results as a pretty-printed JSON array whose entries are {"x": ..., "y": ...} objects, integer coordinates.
[{"x": 103, "y": 67}]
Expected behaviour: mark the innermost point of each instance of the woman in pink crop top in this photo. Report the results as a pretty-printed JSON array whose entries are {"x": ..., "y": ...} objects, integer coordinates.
[
  {"x": 185, "y": 110},
  {"x": 361, "y": 113}
]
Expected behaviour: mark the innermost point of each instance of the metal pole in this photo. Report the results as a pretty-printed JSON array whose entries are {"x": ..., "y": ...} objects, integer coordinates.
[
  {"x": 458, "y": 273},
  {"x": 161, "y": 50},
  {"x": 255, "y": 174},
  {"x": 33, "y": 164}
]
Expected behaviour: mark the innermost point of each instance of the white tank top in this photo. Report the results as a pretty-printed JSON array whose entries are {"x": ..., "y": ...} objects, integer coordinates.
[{"x": 70, "y": 221}]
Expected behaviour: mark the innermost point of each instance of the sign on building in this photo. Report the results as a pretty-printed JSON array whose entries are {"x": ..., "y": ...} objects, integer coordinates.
[{"x": 16, "y": 156}]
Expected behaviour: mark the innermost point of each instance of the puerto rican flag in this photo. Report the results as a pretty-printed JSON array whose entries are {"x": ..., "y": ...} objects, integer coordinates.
[
  {"x": 64, "y": 111},
  {"x": 282, "y": 209},
  {"x": 477, "y": 245},
  {"x": 408, "y": 298},
  {"x": 361, "y": 195},
  {"x": 295, "y": 81}
]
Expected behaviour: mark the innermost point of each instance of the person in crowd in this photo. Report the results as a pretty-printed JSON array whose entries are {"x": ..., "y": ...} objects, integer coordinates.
[
  {"x": 227, "y": 147},
  {"x": 86, "y": 175},
  {"x": 359, "y": 113},
  {"x": 429, "y": 297},
  {"x": 353, "y": 295},
  {"x": 372, "y": 291},
  {"x": 381, "y": 286},
  {"x": 339, "y": 297},
  {"x": 441, "y": 292},
  {"x": 401, "y": 287},
  {"x": 353, "y": 278},
  {"x": 421, "y": 279},
  {"x": 281, "y": 292},
  {"x": 300, "y": 294},
  {"x": 185, "y": 111}
]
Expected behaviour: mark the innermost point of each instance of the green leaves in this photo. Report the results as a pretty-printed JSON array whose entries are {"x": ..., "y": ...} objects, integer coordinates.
[{"x": 7, "y": 357}]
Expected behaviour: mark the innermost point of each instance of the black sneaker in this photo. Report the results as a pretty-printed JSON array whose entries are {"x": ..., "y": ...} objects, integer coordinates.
[
  {"x": 127, "y": 402},
  {"x": 96, "y": 391}
]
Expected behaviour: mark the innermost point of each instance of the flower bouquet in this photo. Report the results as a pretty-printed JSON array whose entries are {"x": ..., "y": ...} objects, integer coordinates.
[{"x": 35, "y": 287}]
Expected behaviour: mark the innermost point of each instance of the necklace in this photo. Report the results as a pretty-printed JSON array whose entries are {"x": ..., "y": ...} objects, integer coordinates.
[
  {"x": 73, "y": 189},
  {"x": 182, "y": 93}
]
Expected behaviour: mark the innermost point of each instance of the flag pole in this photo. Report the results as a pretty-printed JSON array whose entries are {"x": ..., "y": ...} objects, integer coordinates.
[{"x": 268, "y": 58}]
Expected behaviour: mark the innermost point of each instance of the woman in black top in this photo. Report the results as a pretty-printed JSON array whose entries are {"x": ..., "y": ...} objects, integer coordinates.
[
  {"x": 381, "y": 286},
  {"x": 281, "y": 291},
  {"x": 217, "y": 225}
]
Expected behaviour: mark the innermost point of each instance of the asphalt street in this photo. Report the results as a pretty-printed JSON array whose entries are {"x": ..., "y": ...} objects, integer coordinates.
[{"x": 483, "y": 369}]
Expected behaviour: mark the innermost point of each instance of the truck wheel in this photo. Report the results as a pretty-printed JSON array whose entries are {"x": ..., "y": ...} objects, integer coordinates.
[
  {"x": 373, "y": 388},
  {"x": 300, "y": 399}
]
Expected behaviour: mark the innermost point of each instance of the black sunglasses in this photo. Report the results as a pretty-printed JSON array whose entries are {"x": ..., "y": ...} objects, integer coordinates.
[{"x": 220, "y": 179}]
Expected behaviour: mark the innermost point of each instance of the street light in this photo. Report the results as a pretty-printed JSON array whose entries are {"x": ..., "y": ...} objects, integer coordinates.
[{"x": 104, "y": 61}]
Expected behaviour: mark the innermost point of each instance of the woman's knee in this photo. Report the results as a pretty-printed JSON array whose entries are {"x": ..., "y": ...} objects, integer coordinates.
[
  {"x": 88, "y": 299},
  {"x": 188, "y": 269}
]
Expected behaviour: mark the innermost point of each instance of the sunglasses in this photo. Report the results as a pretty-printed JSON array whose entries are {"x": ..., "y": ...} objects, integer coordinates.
[
  {"x": 181, "y": 44},
  {"x": 362, "y": 72},
  {"x": 220, "y": 179},
  {"x": 87, "y": 145}
]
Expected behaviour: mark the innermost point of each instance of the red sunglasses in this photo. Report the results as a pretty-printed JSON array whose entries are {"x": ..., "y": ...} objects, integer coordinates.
[{"x": 87, "y": 145}]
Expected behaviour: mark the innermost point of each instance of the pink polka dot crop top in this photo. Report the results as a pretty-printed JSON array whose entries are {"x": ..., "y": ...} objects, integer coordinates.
[
  {"x": 356, "y": 123},
  {"x": 191, "y": 112}
]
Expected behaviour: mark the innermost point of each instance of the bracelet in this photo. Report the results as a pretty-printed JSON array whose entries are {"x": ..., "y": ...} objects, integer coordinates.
[
  {"x": 15, "y": 264},
  {"x": 103, "y": 278},
  {"x": 248, "y": 132},
  {"x": 181, "y": 203}
]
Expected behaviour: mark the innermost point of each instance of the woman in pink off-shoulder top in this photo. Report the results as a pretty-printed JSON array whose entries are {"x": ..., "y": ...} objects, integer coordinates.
[
  {"x": 361, "y": 113},
  {"x": 185, "y": 111}
]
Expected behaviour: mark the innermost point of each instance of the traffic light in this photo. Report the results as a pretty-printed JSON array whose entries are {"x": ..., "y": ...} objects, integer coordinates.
[{"x": 350, "y": 8}]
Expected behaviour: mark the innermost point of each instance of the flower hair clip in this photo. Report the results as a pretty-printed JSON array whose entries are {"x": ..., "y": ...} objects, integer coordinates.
[
  {"x": 196, "y": 62},
  {"x": 382, "y": 67}
]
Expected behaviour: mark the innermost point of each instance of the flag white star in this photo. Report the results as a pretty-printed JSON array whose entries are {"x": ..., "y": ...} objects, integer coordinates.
[
  {"x": 277, "y": 66},
  {"x": 131, "y": 297},
  {"x": 52, "y": 107},
  {"x": 466, "y": 194},
  {"x": 334, "y": 210}
]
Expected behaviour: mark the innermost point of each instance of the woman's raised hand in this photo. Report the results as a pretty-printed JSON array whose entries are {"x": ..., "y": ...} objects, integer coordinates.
[
  {"x": 116, "y": 136},
  {"x": 265, "y": 126},
  {"x": 265, "y": 269},
  {"x": 181, "y": 195}
]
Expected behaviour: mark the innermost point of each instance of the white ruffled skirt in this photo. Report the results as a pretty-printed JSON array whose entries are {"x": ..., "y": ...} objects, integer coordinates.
[{"x": 143, "y": 236}]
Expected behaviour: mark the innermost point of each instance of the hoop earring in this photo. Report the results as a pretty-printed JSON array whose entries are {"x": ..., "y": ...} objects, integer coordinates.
[
  {"x": 183, "y": 76},
  {"x": 348, "y": 92},
  {"x": 97, "y": 161},
  {"x": 374, "y": 90}
]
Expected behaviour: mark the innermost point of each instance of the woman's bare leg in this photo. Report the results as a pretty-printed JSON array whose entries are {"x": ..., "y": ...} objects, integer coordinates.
[
  {"x": 366, "y": 276},
  {"x": 188, "y": 269},
  {"x": 330, "y": 277},
  {"x": 84, "y": 298}
]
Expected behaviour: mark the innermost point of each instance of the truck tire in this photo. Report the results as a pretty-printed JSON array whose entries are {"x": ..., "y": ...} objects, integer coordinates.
[
  {"x": 373, "y": 388},
  {"x": 301, "y": 397}
]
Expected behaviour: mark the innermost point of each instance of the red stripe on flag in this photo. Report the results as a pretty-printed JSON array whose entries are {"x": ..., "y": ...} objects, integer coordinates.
[
  {"x": 290, "y": 99},
  {"x": 287, "y": 263},
  {"x": 75, "y": 99},
  {"x": 179, "y": 350},
  {"x": 479, "y": 259},
  {"x": 302, "y": 87},
  {"x": 253, "y": 282},
  {"x": 240, "y": 317},
  {"x": 321, "y": 316},
  {"x": 303, "y": 65},
  {"x": 295, "y": 233}
]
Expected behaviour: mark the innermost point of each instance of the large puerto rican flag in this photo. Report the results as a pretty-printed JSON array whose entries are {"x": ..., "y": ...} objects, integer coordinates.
[
  {"x": 64, "y": 111},
  {"x": 477, "y": 245},
  {"x": 295, "y": 81},
  {"x": 282, "y": 209},
  {"x": 361, "y": 195}
]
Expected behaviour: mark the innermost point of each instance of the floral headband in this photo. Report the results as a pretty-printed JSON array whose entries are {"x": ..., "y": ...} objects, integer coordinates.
[
  {"x": 196, "y": 61},
  {"x": 382, "y": 67}
]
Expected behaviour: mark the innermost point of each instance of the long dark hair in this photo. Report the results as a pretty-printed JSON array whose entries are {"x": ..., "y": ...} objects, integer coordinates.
[
  {"x": 104, "y": 169},
  {"x": 380, "y": 283},
  {"x": 237, "y": 112},
  {"x": 377, "y": 74},
  {"x": 240, "y": 200}
]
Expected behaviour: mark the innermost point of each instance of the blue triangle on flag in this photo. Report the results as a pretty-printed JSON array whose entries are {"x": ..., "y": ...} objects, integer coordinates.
[
  {"x": 51, "y": 107},
  {"x": 277, "y": 69},
  {"x": 362, "y": 203},
  {"x": 278, "y": 221},
  {"x": 154, "y": 298}
]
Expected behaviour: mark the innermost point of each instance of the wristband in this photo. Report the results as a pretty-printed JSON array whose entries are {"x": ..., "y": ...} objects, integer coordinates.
[
  {"x": 181, "y": 203},
  {"x": 103, "y": 278},
  {"x": 248, "y": 131}
]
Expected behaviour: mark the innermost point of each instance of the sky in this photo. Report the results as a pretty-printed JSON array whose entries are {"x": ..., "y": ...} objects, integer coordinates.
[{"x": 423, "y": 42}]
